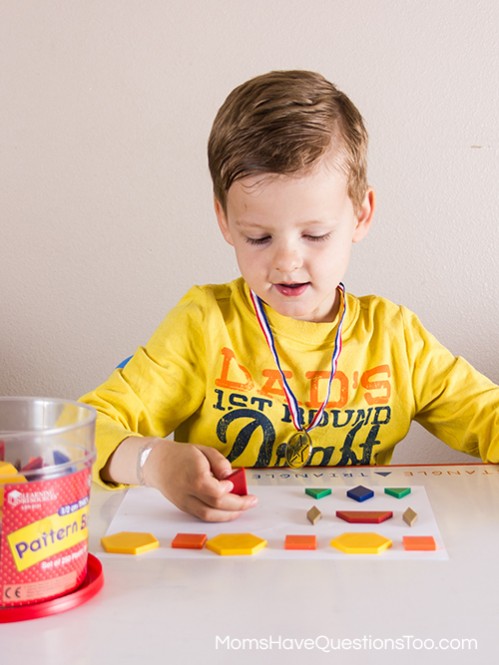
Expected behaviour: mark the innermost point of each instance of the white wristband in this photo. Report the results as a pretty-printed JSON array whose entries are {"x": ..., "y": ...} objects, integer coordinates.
[{"x": 144, "y": 453}]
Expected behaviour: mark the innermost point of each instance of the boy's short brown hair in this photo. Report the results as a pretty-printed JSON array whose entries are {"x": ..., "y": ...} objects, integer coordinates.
[{"x": 283, "y": 122}]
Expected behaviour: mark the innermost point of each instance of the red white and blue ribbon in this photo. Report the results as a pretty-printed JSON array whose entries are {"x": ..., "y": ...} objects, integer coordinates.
[{"x": 290, "y": 397}]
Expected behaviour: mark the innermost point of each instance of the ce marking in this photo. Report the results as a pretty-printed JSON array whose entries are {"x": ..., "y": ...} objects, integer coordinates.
[{"x": 11, "y": 592}]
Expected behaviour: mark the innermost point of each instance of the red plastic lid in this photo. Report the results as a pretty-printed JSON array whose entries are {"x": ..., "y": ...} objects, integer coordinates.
[{"x": 90, "y": 586}]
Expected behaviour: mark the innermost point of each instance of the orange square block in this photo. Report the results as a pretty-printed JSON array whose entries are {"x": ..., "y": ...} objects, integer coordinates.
[
  {"x": 189, "y": 541},
  {"x": 300, "y": 543},
  {"x": 419, "y": 543}
]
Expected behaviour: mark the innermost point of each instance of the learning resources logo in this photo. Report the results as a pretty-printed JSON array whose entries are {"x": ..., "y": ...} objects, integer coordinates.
[{"x": 16, "y": 498}]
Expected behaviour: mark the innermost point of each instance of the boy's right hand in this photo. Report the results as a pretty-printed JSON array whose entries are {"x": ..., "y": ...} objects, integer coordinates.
[{"x": 191, "y": 476}]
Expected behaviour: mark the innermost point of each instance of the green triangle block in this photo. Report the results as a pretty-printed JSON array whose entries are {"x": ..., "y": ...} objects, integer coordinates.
[
  {"x": 318, "y": 492},
  {"x": 398, "y": 492}
]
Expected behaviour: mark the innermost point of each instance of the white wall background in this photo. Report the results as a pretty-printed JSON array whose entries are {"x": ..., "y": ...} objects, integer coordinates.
[{"x": 105, "y": 198}]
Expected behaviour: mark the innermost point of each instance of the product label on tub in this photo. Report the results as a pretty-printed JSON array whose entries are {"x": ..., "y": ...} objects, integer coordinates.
[{"x": 43, "y": 544}]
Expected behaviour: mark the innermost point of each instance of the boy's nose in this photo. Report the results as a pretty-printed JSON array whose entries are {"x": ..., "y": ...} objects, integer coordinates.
[{"x": 287, "y": 259}]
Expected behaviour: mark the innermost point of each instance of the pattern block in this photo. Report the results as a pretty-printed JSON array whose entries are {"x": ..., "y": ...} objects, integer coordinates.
[
  {"x": 409, "y": 516},
  {"x": 236, "y": 544},
  {"x": 361, "y": 543},
  {"x": 300, "y": 542},
  {"x": 318, "y": 492},
  {"x": 419, "y": 543},
  {"x": 238, "y": 478},
  {"x": 398, "y": 492},
  {"x": 189, "y": 541},
  {"x": 129, "y": 542},
  {"x": 314, "y": 515},
  {"x": 360, "y": 493},
  {"x": 364, "y": 516}
]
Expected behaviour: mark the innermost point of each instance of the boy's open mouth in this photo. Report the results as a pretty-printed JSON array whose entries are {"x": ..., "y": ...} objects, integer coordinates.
[{"x": 295, "y": 289}]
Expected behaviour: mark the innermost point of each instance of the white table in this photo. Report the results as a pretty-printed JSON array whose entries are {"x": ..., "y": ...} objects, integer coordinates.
[{"x": 158, "y": 611}]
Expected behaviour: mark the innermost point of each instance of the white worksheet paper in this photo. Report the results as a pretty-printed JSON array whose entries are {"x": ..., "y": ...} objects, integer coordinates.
[{"x": 281, "y": 511}]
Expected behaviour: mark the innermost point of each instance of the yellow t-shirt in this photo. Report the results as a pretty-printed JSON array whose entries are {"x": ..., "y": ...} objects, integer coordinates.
[{"x": 208, "y": 375}]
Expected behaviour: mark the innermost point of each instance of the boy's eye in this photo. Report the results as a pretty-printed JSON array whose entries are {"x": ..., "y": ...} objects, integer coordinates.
[
  {"x": 258, "y": 241},
  {"x": 307, "y": 236},
  {"x": 321, "y": 238}
]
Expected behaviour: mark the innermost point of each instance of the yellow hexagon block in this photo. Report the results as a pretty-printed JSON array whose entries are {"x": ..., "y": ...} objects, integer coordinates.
[
  {"x": 129, "y": 542},
  {"x": 235, "y": 544},
  {"x": 361, "y": 543},
  {"x": 8, "y": 475}
]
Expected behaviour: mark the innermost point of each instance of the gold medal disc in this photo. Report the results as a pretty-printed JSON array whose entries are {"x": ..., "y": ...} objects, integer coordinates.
[{"x": 298, "y": 449}]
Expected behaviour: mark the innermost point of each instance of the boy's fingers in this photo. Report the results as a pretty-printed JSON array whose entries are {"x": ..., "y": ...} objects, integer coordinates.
[
  {"x": 213, "y": 513},
  {"x": 225, "y": 510},
  {"x": 197, "y": 507},
  {"x": 218, "y": 494},
  {"x": 201, "y": 489},
  {"x": 219, "y": 465}
]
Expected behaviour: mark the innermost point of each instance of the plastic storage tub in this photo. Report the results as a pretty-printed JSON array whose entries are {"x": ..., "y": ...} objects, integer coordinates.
[{"x": 46, "y": 455}]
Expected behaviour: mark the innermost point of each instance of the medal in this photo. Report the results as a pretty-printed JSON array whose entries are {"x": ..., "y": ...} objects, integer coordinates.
[{"x": 299, "y": 447}]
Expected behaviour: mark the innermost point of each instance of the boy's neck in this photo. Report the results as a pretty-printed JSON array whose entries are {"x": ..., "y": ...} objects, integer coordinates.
[{"x": 331, "y": 317}]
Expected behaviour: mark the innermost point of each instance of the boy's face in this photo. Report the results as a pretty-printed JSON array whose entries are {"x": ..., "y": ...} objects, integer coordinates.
[{"x": 293, "y": 236}]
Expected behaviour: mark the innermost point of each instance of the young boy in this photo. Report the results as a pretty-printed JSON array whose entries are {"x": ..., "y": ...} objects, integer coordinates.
[{"x": 281, "y": 366}]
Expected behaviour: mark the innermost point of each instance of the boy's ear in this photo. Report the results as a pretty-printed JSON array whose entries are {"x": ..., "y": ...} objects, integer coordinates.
[
  {"x": 222, "y": 222},
  {"x": 365, "y": 215}
]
